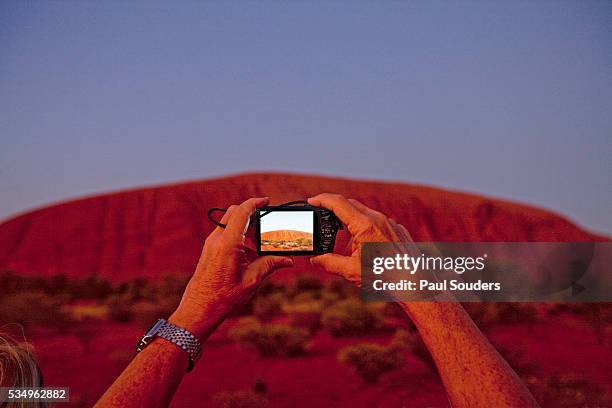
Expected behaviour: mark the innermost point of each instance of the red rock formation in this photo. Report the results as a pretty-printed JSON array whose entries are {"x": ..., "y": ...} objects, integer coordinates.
[
  {"x": 150, "y": 231},
  {"x": 285, "y": 235}
]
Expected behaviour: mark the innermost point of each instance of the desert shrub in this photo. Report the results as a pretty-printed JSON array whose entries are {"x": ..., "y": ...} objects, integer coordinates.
[
  {"x": 92, "y": 287},
  {"x": 517, "y": 356},
  {"x": 329, "y": 298},
  {"x": 567, "y": 391},
  {"x": 599, "y": 317},
  {"x": 349, "y": 317},
  {"x": 11, "y": 282},
  {"x": 411, "y": 341},
  {"x": 305, "y": 287},
  {"x": 268, "y": 307},
  {"x": 137, "y": 289},
  {"x": 305, "y": 314},
  {"x": 510, "y": 313},
  {"x": 172, "y": 285},
  {"x": 306, "y": 282},
  {"x": 146, "y": 312},
  {"x": 123, "y": 308},
  {"x": 30, "y": 308},
  {"x": 304, "y": 241},
  {"x": 556, "y": 308},
  {"x": 339, "y": 288},
  {"x": 58, "y": 283},
  {"x": 487, "y": 315},
  {"x": 85, "y": 331},
  {"x": 240, "y": 399},
  {"x": 120, "y": 308},
  {"x": 85, "y": 311},
  {"x": 370, "y": 361},
  {"x": 393, "y": 309},
  {"x": 260, "y": 386},
  {"x": 270, "y": 339},
  {"x": 269, "y": 287},
  {"x": 395, "y": 317},
  {"x": 308, "y": 296}
]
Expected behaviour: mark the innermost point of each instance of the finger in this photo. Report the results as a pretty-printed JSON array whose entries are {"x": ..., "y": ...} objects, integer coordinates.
[
  {"x": 264, "y": 266},
  {"x": 347, "y": 213},
  {"x": 238, "y": 223},
  {"x": 251, "y": 253},
  {"x": 359, "y": 205},
  {"x": 365, "y": 209},
  {"x": 344, "y": 266},
  {"x": 404, "y": 232},
  {"x": 398, "y": 231},
  {"x": 350, "y": 246},
  {"x": 228, "y": 213},
  {"x": 226, "y": 216},
  {"x": 334, "y": 263}
]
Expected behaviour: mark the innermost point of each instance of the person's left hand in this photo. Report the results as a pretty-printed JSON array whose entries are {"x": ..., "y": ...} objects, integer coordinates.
[{"x": 224, "y": 278}]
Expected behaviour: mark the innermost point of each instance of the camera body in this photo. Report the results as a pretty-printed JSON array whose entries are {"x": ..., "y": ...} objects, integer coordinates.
[{"x": 292, "y": 229}]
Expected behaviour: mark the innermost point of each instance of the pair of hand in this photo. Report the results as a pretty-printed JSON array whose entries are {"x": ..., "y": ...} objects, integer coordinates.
[{"x": 225, "y": 279}]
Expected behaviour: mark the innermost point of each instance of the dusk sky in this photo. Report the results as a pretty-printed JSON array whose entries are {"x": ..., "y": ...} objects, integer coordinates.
[
  {"x": 289, "y": 220},
  {"x": 512, "y": 100}
]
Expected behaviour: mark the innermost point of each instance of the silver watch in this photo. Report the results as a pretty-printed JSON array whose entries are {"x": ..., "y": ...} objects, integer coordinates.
[{"x": 177, "y": 335}]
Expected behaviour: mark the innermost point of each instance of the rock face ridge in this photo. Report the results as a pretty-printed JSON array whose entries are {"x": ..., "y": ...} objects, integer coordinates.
[
  {"x": 151, "y": 231},
  {"x": 285, "y": 235}
]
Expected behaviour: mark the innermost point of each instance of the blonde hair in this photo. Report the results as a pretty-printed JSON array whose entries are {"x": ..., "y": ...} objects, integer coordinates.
[{"x": 18, "y": 368}]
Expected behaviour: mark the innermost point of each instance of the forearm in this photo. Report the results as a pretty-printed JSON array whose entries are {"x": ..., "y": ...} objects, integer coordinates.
[
  {"x": 473, "y": 372},
  {"x": 153, "y": 376},
  {"x": 223, "y": 281}
]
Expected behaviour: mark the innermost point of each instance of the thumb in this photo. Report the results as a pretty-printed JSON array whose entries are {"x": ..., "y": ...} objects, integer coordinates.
[
  {"x": 333, "y": 263},
  {"x": 264, "y": 266}
]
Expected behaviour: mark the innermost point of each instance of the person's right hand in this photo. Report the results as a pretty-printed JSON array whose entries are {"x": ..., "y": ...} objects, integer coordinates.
[
  {"x": 225, "y": 279},
  {"x": 365, "y": 225}
]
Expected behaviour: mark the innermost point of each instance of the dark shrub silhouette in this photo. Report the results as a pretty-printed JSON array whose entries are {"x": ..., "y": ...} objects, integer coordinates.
[
  {"x": 411, "y": 341},
  {"x": 270, "y": 339},
  {"x": 120, "y": 308},
  {"x": 370, "y": 361},
  {"x": 267, "y": 307},
  {"x": 349, "y": 317},
  {"x": 239, "y": 399},
  {"x": 33, "y": 308},
  {"x": 305, "y": 314}
]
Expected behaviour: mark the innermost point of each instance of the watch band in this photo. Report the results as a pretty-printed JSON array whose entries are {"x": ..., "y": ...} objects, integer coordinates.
[{"x": 175, "y": 334}]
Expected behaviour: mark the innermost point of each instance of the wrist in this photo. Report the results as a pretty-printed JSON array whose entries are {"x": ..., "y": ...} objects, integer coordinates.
[{"x": 200, "y": 321}]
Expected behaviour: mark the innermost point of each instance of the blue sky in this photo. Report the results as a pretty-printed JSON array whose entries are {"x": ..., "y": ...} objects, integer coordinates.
[
  {"x": 508, "y": 99},
  {"x": 287, "y": 220}
]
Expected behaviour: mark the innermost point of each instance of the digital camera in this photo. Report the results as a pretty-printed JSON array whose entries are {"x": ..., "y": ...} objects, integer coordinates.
[{"x": 296, "y": 228}]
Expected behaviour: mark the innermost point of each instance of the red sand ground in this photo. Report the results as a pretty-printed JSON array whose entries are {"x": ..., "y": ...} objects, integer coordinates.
[
  {"x": 558, "y": 346},
  {"x": 152, "y": 231}
]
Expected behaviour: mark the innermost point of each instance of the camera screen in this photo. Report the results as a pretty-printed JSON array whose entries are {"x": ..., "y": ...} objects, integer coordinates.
[{"x": 286, "y": 231}]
